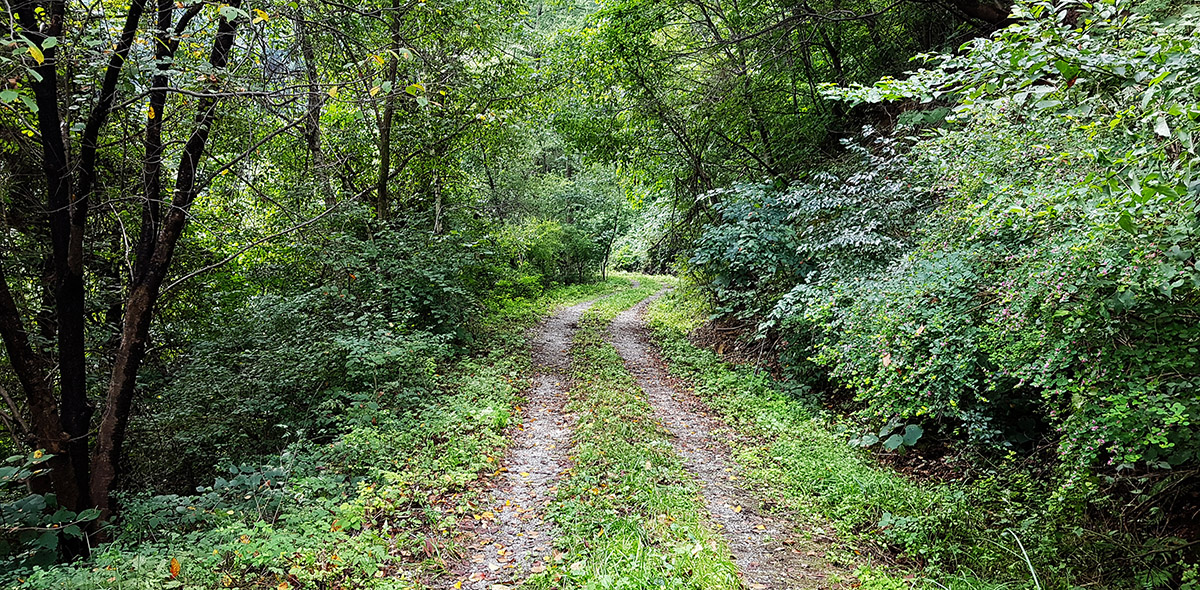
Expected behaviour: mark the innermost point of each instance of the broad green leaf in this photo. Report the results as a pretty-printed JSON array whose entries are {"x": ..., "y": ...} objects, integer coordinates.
[
  {"x": 89, "y": 514},
  {"x": 912, "y": 434},
  {"x": 1161, "y": 128},
  {"x": 1126, "y": 223}
]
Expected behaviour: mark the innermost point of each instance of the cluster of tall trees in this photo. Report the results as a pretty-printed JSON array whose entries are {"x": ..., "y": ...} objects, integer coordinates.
[
  {"x": 145, "y": 144},
  {"x": 702, "y": 93}
]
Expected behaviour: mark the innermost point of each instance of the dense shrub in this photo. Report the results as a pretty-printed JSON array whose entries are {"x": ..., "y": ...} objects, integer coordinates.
[
  {"x": 999, "y": 282},
  {"x": 551, "y": 251}
]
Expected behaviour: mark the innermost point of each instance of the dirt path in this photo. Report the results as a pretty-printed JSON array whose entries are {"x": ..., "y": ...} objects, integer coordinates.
[
  {"x": 764, "y": 546},
  {"x": 516, "y": 541}
]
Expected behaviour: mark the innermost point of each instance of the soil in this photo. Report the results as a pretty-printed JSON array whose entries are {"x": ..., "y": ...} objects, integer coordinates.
[
  {"x": 729, "y": 339},
  {"x": 768, "y": 549},
  {"x": 516, "y": 540}
]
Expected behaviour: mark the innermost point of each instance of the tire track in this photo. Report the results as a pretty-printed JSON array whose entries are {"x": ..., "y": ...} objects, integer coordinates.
[
  {"x": 517, "y": 538},
  {"x": 763, "y": 545}
]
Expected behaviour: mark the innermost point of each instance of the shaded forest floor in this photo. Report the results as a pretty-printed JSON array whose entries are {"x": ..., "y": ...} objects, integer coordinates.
[{"x": 619, "y": 476}]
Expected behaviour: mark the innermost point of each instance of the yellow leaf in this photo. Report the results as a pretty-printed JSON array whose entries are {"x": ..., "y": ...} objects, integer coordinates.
[
  {"x": 260, "y": 16},
  {"x": 374, "y": 90},
  {"x": 378, "y": 59},
  {"x": 333, "y": 92},
  {"x": 150, "y": 113},
  {"x": 37, "y": 54}
]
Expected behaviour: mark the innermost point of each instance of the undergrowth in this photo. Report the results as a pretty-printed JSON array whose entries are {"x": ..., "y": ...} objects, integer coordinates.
[
  {"x": 792, "y": 452},
  {"x": 377, "y": 508}
]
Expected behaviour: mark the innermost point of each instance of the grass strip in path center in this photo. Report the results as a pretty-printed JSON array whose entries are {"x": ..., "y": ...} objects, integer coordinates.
[
  {"x": 769, "y": 552},
  {"x": 630, "y": 514}
]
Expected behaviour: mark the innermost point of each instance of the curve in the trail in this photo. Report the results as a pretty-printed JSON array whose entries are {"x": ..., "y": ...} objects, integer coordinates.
[
  {"x": 761, "y": 543},
  {"x": 518, "y": 541}
]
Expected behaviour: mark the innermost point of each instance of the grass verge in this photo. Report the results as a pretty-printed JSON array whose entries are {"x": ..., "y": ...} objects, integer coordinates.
[
  {"x": 630, "y": 514},
  {"x": 794, "y": 456}
]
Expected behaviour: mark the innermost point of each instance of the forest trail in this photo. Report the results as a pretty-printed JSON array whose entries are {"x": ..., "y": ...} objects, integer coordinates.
[
  {"x": 765, "y": 547},
  {"x": 518, "y": 541}
]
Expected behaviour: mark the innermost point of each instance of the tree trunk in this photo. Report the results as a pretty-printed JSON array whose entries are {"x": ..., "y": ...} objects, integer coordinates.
[
  {"x": 312, "y": 123},
  {"x": 139, "y": 307},
  {"x": 382, "y": 199},
  {"x": 33, "y": 373}
]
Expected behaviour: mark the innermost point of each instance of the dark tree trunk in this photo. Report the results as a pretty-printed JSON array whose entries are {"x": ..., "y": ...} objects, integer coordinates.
[
  {"x": 33, "y": 372},
  {"x": 312, "y": 121},
  {"x": 382, "y": 198},
  {"x": 139, "y": 307}
]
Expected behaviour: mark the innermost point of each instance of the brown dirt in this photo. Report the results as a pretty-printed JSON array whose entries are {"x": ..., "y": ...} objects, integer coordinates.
[
  {"x": 730, "y": 339},
  {"x": 768, "y": 549},
  {"x": 516, "y": 540}
]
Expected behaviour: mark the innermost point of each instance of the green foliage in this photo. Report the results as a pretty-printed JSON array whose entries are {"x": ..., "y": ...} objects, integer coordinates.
[
  {"x": 772, "y": 242},
  {"x": 355, "y": 512},
  {"x": 957, "y": 531},
  {"x": 999, "y": 284},
  {"x": 33, "y": 525},
  {"x": 551, "y": 251}
]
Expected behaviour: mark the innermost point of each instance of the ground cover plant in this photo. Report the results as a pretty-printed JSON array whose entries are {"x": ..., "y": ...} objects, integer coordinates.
[{"x": 375, "y": 508}]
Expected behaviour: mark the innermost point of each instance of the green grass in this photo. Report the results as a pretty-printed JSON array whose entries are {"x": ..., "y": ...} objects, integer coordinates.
[
  {"x": 355, "y": 513},
  {"x": 630, "y": 515},
  {"x": 794, "y": 456}
]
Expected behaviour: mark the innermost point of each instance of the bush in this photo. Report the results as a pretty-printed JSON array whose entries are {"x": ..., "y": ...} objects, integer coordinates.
[{"x": 555, "y": 252}]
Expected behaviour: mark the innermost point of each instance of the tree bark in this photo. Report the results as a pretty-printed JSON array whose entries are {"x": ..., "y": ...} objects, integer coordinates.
[
  {"x": 382, "y": 198},
  {"x": 33, "y": 372},
  {"x": 312, "y": 122},
  {"x": 139, "y": 307}
]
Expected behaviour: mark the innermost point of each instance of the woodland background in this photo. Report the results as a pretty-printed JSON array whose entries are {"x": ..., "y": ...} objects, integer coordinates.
[{"x": 264, "y": 266}]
